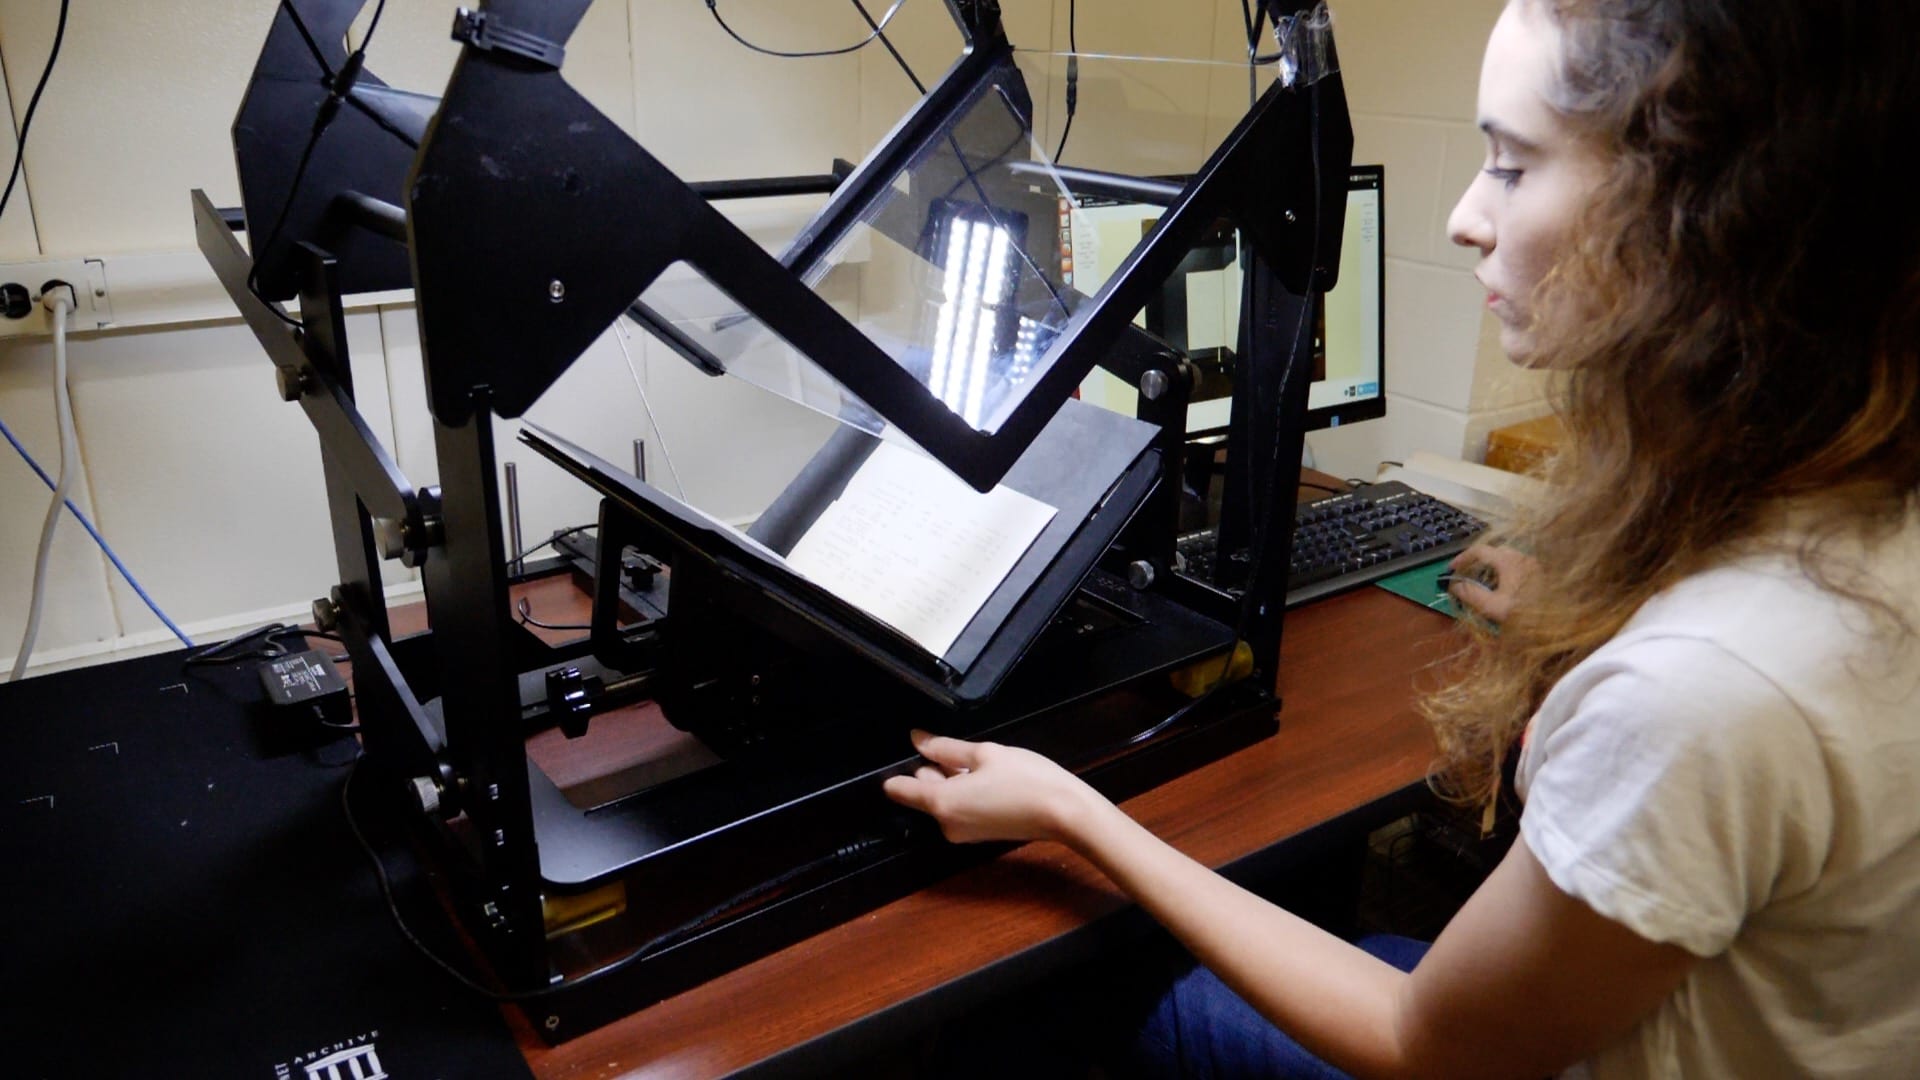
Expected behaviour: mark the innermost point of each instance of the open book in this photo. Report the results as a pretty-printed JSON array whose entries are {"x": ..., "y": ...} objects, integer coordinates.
[
  {"x": 912, "y": 545},
  {"x": 968, "y": 578}
]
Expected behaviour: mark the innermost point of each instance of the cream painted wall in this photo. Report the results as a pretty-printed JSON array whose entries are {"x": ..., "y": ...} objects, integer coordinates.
[
  {"x": 138, "y": 109},
  {"x": 1412, "y": 71},
  {"x": 16, "y": 228},
  {"x": 210, "y": 488}
]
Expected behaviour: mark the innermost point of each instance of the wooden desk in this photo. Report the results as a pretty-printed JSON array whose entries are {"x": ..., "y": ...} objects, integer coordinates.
[{"x": 1351, "y": 754}]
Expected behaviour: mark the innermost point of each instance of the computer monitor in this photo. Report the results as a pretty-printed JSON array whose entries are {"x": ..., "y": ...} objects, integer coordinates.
[{"x": 1198, "y": 310}]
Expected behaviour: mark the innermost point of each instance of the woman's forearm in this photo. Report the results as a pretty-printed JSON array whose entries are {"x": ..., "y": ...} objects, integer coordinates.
[
  {"x": 1525, "y": 981},
  {"x": 1335, "y": 999}
]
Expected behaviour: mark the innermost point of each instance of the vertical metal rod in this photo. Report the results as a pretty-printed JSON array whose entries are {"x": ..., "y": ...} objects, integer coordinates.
[
  {"x": 640, "y": 459},
  {"x": 513, "y": 515}
]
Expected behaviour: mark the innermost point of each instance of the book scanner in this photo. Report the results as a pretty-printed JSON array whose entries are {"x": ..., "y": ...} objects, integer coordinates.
[{"x": 768, "y": 666}]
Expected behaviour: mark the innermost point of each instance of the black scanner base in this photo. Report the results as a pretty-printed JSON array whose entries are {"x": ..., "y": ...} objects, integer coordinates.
[{"x": 755, "y": 851}]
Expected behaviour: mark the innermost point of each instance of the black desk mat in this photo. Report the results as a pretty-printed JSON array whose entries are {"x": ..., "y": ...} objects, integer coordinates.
[{"x": 183, "y": 897}]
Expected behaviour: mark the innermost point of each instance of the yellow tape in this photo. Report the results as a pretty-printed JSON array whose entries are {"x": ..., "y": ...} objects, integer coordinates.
[{"x": 1195, "y": 679}]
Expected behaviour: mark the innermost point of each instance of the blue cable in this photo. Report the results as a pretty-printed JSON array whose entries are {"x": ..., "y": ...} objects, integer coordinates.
[{"x": 97, "y": 538}]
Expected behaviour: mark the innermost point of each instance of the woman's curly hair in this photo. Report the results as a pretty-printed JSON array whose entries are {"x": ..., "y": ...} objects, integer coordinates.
[{"x": 1734, "y": 326}]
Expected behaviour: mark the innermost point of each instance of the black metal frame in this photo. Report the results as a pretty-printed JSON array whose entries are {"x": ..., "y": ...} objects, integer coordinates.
[
  {"x": 507, "y": 299},
  {"x": 1167, "y": 316}
]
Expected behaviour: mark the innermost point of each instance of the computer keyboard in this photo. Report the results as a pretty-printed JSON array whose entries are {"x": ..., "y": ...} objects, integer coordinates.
[{"x": 1342, "y": 541}]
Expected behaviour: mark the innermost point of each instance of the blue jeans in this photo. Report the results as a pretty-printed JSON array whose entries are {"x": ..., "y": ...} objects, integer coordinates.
[{"x": 1201, "y": 1029}]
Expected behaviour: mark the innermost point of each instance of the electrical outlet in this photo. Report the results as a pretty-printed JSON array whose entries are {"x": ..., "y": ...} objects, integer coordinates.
[{"x": 88, "y": 278}]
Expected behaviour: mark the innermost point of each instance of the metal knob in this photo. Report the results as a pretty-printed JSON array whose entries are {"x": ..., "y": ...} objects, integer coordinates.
[
  {"x": 413, "y": 551},
  {"x": 389, "y": 537},
  {"x": 1140, "y": 574},
  {"x": 1153, "y": 384},
  {"x": 291, "y": 381},
  {"x": 326, "y": 614}
]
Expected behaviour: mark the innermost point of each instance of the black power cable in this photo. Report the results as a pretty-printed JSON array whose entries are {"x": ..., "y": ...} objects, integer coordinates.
[
  {"x": 1253, "y": 29},
  {"x": 525, "y": 608},
  {"x": 306, "y": 35},
  {"x": 713, "y": 8},
  {"x": 260, "y": 643},
  {"x": 339, "y": 88},
  {"x": 320, "y": 123},
  {"x": 1254, "y": 23},
  {"x": 1073, "y": 77},
  {"x": 880, "y": 32},
  {"x": 551, "y": 540},
  {"x": 372, "y": 25},
  {"x": 33, "y": 103}
]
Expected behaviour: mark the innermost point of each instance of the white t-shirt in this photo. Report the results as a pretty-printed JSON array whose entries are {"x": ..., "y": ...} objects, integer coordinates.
[{"x": 1738, "y": 773}]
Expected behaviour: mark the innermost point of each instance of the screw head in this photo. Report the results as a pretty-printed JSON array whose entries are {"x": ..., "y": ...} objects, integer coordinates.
[
  {"x": 495, "y": 917},
  {"x": 553, "y": 1023},
  {"x": 1153, "y": 384},
  {"x": 556, "y": 290},
  {"x": 1292, "y": 217}
]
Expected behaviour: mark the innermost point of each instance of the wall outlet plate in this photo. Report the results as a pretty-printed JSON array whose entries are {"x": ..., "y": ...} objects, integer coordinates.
[{"x": 89, "y": 280}]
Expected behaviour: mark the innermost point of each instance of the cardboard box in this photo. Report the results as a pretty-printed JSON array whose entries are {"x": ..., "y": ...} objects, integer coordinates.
[{"x": 1522, "y": 448}]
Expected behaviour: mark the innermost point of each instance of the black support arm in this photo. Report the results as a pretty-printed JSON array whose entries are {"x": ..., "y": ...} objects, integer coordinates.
[{"x": 344, "y": 434}]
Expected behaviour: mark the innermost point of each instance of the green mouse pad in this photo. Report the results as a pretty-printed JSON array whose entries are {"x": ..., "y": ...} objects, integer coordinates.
[{"x": 1422, "y": 586}]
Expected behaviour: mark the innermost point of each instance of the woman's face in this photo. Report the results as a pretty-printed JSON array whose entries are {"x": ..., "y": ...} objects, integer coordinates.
[{"x": 1537, "y": 175}]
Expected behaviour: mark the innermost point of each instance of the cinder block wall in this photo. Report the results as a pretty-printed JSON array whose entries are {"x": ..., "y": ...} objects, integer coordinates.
[{"x": 210, "y": 489}]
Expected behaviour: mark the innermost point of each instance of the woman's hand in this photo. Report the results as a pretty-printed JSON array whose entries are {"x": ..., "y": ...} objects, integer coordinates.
[
  {"x": 1487, "y": 579},
  {"x": 985, "y": 791}
]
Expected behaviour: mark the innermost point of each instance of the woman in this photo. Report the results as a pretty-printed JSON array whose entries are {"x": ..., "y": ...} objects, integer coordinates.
[{"x": 1690, "y": 210}]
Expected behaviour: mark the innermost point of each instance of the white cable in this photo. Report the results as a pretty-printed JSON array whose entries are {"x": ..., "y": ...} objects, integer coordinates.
[
  {"x": 620, "y": 336},
  {"x": 57, "y": 309}
]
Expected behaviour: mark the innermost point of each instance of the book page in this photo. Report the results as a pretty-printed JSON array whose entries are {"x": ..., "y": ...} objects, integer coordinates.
[{"x": 912, "y": 545}]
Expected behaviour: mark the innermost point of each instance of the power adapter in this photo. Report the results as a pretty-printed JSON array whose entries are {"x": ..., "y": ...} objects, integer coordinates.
[{"x": 306, "y": 686}]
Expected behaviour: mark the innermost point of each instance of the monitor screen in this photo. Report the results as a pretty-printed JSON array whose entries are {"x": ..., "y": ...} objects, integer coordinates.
[{"x": 1198, "y": 311}]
